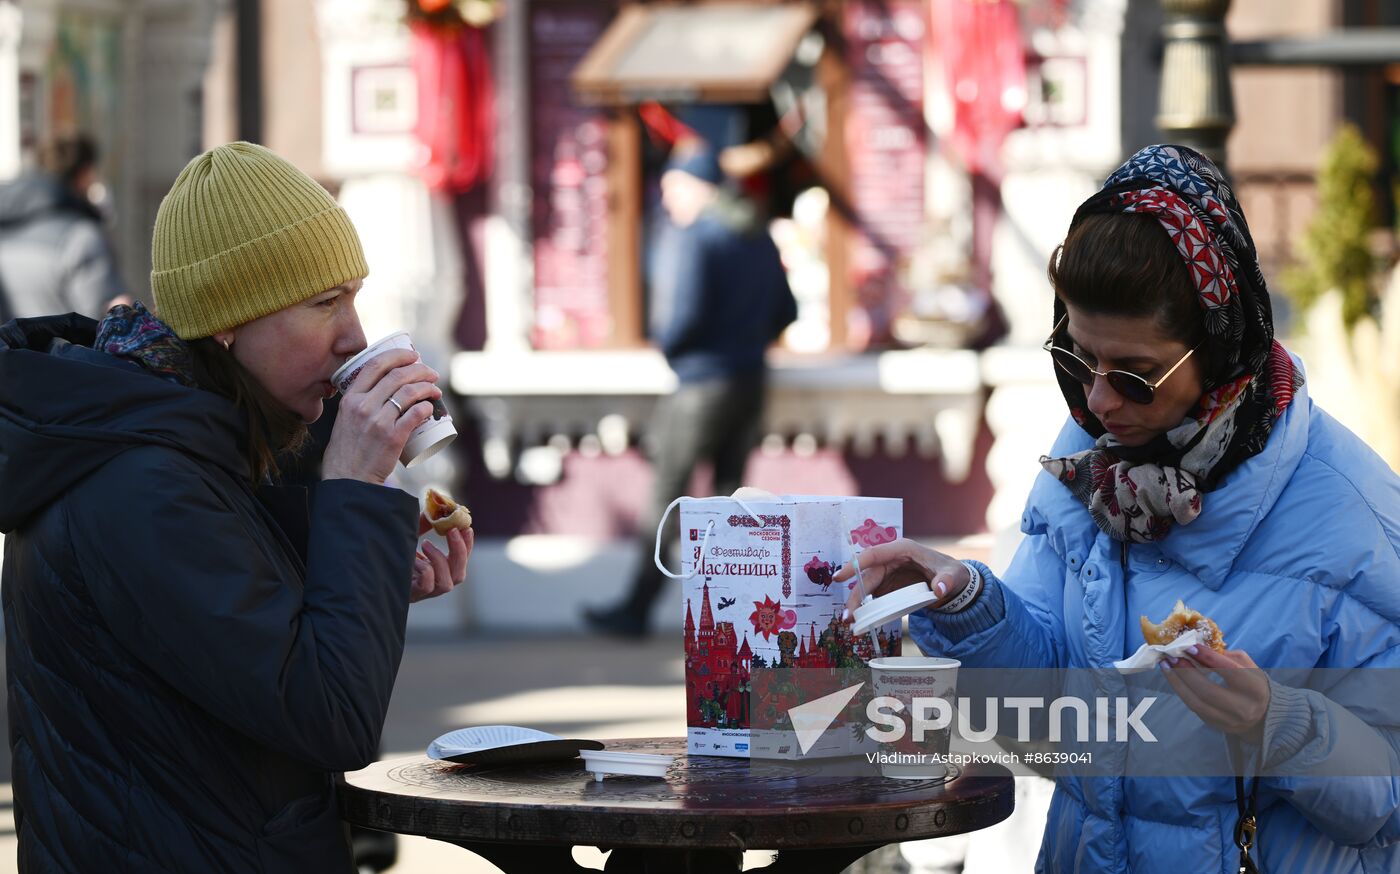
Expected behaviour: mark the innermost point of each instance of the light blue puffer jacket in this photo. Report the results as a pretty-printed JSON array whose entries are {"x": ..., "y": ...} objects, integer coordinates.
[{"x": 1297, "y": 557}]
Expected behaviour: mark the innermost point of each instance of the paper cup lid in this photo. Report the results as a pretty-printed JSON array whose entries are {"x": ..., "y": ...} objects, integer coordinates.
[
  {"x": 909, "y": 664},
  {"x": 891, "y": 607}
]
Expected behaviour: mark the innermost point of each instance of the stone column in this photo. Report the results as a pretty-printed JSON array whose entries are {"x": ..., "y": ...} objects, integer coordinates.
[
  {"x": 167, "y": 46},
  {"x": 509, "y": 249},
  {"x": 10, "y": 21},
  {"x": 1196, "y": 106}
]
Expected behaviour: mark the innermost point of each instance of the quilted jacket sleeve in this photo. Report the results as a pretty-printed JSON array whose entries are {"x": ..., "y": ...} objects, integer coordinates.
[
  {"x": 1019, "y": 621},
  {"x": 188, "y": 586},
  {"x": 1341, "y": 762},
  {"x": 1016, "y": 623},
  {"x": 1331, "y": 744}
]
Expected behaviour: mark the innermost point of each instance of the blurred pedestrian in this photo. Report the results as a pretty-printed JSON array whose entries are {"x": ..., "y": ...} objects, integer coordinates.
[
  {"x": 193, "y": 650},
  {"x": 54, "y": 255},
  {"x": 720, "y": 298}
]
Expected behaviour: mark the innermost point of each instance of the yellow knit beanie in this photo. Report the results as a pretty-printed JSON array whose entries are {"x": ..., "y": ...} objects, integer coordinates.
[{"x": 242, "y": 234}]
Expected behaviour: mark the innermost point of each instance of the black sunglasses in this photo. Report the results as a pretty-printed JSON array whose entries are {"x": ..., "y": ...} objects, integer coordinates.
[{"x": 1129, "y": 385}]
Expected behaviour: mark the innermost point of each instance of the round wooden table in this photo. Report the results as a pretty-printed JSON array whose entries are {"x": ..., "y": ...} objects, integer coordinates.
[{"x": 700, "y": 818}]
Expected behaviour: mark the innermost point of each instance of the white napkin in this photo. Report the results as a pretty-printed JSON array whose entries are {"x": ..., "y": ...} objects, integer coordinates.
[{"x": 1149, "y": 654}]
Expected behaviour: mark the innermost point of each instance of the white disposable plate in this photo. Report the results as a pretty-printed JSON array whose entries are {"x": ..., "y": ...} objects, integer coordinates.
[
  {"x": 506, "y": 744},
  {"x": 888, "y": 608},
  {"x": 602, "y": 762}
]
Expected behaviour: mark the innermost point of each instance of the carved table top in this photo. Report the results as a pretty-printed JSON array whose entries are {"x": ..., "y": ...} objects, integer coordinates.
[{"x": 704, "y": 801}]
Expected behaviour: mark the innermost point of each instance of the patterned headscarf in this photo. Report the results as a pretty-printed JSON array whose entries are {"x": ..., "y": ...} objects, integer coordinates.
[
  {"x": 134, "y": 333},
  {"x": 1137, "y": 493}
]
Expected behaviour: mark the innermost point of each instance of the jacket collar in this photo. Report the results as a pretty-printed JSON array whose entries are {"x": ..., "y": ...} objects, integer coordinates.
[
  {"x": 67, "y": 409},
  {"x": 1210, "y": 544}
]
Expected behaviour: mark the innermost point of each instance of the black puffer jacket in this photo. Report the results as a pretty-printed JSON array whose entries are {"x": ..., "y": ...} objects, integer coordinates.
[{"x": 189, "y": 659}]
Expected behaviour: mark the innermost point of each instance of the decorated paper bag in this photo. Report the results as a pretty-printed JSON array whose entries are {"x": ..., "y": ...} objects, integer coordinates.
[{"x": 758, "y": 596}]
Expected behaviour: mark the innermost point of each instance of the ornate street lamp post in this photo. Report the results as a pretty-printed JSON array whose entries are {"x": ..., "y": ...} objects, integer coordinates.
[{"x": 1195, "y": 105}]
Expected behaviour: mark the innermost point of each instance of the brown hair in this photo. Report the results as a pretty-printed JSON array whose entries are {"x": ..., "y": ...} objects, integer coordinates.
[
  {"x": 68, "y": 156},
  {"x": 272, "y": 428},
  {"x": 1125, "y": 264}
]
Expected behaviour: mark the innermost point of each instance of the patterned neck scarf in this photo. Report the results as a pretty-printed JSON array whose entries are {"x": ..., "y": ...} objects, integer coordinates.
[
  {"x": 133, "y": 333},
  {"x": 1136, "y": 493}
]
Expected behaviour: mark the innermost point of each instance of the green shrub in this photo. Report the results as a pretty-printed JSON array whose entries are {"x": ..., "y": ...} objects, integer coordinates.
[{"x": 1333, "y": 252}]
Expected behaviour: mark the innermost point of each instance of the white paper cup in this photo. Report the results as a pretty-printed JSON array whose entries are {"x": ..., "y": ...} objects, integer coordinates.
[
  {"x": 913, "y": 681},
  {"x": 346, "y": 373},
  {"x": 427, "y": 439}
]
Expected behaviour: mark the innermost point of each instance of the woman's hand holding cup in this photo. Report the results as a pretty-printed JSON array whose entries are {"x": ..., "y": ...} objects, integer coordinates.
[
  {"x": 891, "y": 566},
  {"x": 390, "y": 396}
]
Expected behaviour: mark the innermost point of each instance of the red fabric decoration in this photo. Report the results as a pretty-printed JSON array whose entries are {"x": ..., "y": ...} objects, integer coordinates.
[
  {"x": 984, "y": 63},
  {"x": 662, "y": 125},
  {"x": 456, "y": 105}
]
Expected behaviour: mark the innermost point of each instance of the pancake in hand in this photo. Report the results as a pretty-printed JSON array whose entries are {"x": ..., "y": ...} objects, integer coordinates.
[
  {"x": 1178, "y": 622},
  {"x": 443, "y": 513}
]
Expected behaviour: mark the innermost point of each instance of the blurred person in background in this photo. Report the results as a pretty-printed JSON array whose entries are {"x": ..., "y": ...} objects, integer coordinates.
[
  {"x": 54, "y": 254},
  {"x": 193, "y": 650},
  {"x": 720, "y": 298}
]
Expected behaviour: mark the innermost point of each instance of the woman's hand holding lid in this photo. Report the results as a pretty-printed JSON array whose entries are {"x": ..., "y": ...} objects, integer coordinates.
[
  {"x": 391, "y": 396},
  {"x": 891, "y": 566}
]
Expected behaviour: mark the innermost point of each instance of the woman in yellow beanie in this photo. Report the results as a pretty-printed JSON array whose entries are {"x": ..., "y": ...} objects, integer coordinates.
[{"x": 193, "y": 649}]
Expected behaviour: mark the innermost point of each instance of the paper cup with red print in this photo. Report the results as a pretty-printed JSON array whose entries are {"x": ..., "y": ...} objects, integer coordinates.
[
  {"x": 915, "y": 696},
  {"x": 427, "y": 439}
]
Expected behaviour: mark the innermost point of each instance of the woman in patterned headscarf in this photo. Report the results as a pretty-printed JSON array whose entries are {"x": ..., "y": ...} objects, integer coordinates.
[{"x": 1194, "y": 467}]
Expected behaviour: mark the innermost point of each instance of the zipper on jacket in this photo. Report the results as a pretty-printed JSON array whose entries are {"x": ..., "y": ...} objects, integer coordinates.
[{"x": 1123, "y": 560}]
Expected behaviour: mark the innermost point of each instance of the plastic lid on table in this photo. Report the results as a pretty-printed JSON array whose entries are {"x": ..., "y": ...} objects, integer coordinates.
[{"x": 602, "y": 762}]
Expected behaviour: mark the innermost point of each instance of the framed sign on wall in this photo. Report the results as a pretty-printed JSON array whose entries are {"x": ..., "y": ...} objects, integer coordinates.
[{"x": 383, "y": 99}]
